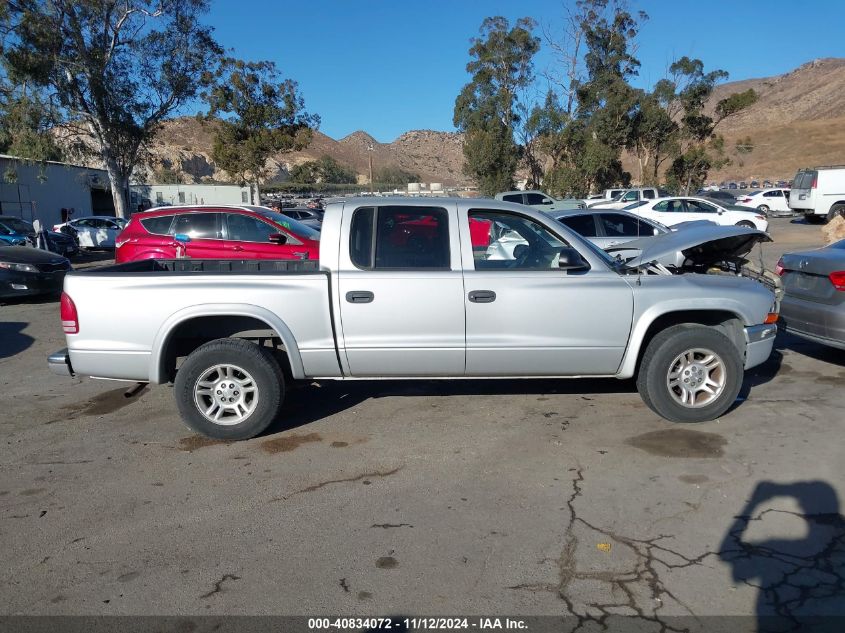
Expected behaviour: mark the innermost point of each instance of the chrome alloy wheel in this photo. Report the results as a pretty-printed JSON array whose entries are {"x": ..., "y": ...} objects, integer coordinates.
[
  {"x": 696, "y": 378},
  {"x": 226, "y": 394}
]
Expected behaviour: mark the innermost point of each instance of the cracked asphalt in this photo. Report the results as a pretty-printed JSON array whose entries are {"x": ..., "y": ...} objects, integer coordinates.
[{"x": 469, "y": 497}]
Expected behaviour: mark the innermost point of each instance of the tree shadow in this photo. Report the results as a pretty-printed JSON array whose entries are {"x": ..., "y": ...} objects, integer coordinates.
[
  {"x": 12, "y": 340},
  {"x": 801, "y": 581},
  {"x": 310, "y": 402}
]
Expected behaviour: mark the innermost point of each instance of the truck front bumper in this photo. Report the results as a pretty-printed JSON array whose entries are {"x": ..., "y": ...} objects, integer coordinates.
[
  {"x": 59, "y": 363},
  {"x": 759, "y": 340}
]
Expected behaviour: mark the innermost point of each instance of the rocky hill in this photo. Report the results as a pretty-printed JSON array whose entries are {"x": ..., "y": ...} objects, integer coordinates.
[
  {"x": 799, "y": 120},
  {"x": 184, "y": 146}
]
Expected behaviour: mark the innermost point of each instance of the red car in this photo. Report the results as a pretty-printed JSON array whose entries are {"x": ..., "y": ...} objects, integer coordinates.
[{"x": 216, "y": 232}]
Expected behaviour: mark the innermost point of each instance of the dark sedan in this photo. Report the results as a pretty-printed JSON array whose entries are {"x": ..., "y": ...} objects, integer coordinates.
[
  {"x": 16, "y": 231},
  {"x": 814, "y": 302},
  {"x": 30, "y": 271}
]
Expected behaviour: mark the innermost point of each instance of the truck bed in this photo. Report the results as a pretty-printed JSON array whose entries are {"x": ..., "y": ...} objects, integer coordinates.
[{"x": 127, "y": 311}]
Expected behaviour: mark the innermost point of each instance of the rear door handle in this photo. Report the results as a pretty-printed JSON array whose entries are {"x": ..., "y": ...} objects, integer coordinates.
[
  {"x": 482, "y": 296},
  {"x": 237, "y": 248},
  {"x": 359, "y": 296}
]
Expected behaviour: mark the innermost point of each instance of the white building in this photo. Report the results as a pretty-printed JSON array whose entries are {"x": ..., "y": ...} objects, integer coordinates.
[
  {"x": 48, "y": 191},
  {"x": 146, "y": 196}
]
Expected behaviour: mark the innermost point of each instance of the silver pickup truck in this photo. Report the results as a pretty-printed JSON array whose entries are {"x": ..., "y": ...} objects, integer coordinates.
[{"x": 410, "y": 288}]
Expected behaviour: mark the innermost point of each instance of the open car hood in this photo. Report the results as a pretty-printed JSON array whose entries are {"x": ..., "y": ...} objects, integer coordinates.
[{"x": 703, "y": 245}]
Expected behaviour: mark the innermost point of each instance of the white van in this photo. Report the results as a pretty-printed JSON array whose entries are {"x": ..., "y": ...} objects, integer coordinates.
[{"x": 819, "y": 193}]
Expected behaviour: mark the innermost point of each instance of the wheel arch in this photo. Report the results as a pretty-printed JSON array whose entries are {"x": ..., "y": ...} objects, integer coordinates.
[
  {"x": 212, "y": 321},
  {"x": 729, "y": 322}
]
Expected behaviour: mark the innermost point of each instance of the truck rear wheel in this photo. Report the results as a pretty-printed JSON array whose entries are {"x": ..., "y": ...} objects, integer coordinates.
[
  {"x": 229, "y": 389},
  {"x": 690, "y": 373},
  {"x": 837, "y": 209}
]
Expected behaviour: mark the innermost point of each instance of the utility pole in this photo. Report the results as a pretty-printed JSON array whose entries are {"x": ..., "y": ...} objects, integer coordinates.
[{"x": 370, "y": 150}]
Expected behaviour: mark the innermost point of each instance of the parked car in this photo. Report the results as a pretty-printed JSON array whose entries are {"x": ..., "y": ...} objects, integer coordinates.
[
  {"x": 671, "y": 211},
  {"x": 819, "y": 193},
  {"x": 539, "y": 200},
  {"x": 629, "y": 196},
  {"x": 814, "y": 299},
  {"x": 13, "y": 230},
  {"x": 376, "y": 305},
  {"x": 767, "y": 184},
  {"x": 216, "y": 232},
  {"x": 783, "y": 183},
  {"x": 743, "y": 185},
  {"x": 95, "y": 231},
  {"x": 771, "y": 202},
  {"x": 755, "y": 184},
  {"x": 732, "y": 185},
  {"x": 304, "y": 215},
  {"x": 720, "y": 196},
  {"x": 620, "y": 232},
  {"x": 30, "y": 271}
]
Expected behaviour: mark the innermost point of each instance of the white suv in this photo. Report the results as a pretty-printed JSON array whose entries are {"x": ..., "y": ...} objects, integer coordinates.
[{"x": 819, "y": 193}]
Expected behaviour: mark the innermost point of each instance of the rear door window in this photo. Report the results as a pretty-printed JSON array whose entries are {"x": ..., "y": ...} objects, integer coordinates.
[
  {"x": 583, "y": 225},
  {"x": 199, "y": 226},
  {"x": 514, "y": 197},
  {"x": 618, "y": 225},
  {"x": 536, "y": 198}
]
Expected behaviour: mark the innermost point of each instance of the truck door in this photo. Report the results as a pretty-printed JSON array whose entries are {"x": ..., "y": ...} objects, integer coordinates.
[
  {"x": 401, "y": 290},
  {"x": 527, "y": 317}
]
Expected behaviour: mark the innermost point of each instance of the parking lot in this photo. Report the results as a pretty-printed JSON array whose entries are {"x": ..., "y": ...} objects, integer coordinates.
[{"x": 424, "y": 497}]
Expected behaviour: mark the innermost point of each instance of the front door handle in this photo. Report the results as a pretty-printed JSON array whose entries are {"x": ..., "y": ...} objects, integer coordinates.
[
  {"x": 482, "y": 296},
  {"x": 359, "y": 296}
]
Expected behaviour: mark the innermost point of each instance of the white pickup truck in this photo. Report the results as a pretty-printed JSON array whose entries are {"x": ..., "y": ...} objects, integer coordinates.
[{"x": 406, "y": 288}]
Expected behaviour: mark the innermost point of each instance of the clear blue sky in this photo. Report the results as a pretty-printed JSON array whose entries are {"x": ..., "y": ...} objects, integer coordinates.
[{"x": 389, "y": 66}]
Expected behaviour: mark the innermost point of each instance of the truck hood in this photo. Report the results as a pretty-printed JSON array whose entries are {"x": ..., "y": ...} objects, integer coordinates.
[{"x": 703, "y": 244}]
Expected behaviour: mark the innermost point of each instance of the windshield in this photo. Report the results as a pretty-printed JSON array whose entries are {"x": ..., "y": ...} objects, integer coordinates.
[
  {"x": 297, "y": 228},
  {"x": 636, "y": 204},
  {"x": 18, "y": 226}
]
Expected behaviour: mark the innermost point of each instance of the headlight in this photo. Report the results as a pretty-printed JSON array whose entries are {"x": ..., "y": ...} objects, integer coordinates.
[{"x": 21, "y": 268}]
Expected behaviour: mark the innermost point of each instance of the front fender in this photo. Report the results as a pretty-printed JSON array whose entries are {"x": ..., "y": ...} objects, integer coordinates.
[{"x": 223, "y": 309}]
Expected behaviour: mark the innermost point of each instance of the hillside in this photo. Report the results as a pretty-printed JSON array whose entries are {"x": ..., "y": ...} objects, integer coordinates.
[
  {"x": 799, "y": 120},
  {"x": 184, "y": 145}
]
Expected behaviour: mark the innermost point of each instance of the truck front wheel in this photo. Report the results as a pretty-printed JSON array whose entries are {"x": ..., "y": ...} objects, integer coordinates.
[
  {"x": 690, "y": 373},
  {"x": 229, "y": 389}
]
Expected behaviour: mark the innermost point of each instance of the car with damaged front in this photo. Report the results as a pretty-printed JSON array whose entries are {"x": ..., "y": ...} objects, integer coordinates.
[{"x": 410, "y": 288}]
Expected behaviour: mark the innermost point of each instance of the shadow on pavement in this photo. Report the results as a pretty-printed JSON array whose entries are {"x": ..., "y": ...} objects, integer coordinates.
[
  {"x": 801, "y": 581},
  {"x": 824, "y": 353},
  {"x": 12, "y": 340},
  {"x": 315, "y": 401}
]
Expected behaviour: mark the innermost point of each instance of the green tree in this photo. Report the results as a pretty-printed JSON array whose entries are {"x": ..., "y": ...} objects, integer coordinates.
[
  {"x": 501, "y": 64},
  {"x": 116, "y": 69},
  {"x": 596, "y": 117},
  {"x": 396, "y": 176},
  {"x": 25, "y": 127},
  {"x": 700, "y": 148},
  {"x": 261, "y": 114},
  {"x": 323, "y": 170}
]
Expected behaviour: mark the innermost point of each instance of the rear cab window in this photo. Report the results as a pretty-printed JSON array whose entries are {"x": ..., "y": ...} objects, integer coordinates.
[{"x": 400, "y": 238}]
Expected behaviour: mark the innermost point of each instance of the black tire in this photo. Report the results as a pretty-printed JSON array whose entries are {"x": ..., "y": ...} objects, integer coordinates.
[
  {"x": 837, "y": 209},
  {"x": 763, "y": 209},
  {"x": 746, "y": 224},
  {"x": 659, "y": 358},
  {"x": 260, "y": 365}
]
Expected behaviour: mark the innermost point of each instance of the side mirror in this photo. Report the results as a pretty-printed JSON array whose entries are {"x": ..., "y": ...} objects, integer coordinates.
[
  {"x": 570, "y": 259},
  {"x": 182, "y": 238},
  {"x": 278, "y": 238}
]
